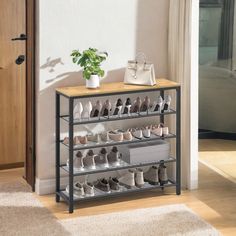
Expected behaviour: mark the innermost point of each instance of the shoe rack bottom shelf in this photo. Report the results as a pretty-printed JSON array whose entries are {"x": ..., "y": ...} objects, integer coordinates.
[{"x": 122, "y": 191}]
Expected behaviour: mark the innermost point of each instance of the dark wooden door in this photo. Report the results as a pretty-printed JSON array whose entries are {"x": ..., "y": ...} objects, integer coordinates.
[{"x": 17, "y": 104}]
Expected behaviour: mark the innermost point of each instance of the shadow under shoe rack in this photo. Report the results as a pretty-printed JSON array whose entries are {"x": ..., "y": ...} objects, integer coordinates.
[{"x": 110, "y": 89}]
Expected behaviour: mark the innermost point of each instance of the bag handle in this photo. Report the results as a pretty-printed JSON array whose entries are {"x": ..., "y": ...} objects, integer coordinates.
[{"x": 141, "y": 55}]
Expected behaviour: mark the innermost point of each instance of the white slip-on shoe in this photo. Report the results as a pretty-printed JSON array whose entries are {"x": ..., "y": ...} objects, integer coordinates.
[
  {"x": 128, "y": 179},
  {"x": 139, "y": 179},
  {"x": 146, "y": 132},
  {"x": 156, "y": 130}
]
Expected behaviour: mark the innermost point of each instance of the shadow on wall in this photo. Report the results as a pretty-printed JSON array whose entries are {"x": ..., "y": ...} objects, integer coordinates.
[{"x": 51, "y": 64}]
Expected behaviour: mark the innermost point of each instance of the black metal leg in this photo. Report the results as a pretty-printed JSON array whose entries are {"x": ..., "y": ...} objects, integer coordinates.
[
  {"x": 178, "y": 141},
  {"x": 162, "y": 117},
  {"x": 71, "y": 152},
  {"x": 57, "y": 146}
]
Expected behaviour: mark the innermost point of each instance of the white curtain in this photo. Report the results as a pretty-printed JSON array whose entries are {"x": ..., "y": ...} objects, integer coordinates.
[{"x": 183, "y": 68}]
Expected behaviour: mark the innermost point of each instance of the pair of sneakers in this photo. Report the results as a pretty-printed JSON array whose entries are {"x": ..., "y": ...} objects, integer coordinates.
[
  {"x": 106, "y": 159},
  {"x": 82, "y": 190},
  {"x": 157, "y": 175},
  {"x": 91, "y": 160},
  {"x": 133, "y": 178},
  {"x": 107, "y": 185}
]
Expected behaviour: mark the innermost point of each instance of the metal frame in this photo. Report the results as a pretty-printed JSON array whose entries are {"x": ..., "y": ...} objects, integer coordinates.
[{"x": 60, "y": 193}]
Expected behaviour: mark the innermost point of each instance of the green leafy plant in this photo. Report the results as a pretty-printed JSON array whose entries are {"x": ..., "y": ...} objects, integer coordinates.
[{"x": 90, "y": 60}]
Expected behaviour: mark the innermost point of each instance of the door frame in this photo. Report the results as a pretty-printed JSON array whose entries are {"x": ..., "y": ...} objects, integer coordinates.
[{"x": 30, "y": 161}]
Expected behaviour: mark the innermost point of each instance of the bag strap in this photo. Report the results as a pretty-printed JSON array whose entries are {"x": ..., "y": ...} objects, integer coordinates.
[{"x": 141, "y": 55}]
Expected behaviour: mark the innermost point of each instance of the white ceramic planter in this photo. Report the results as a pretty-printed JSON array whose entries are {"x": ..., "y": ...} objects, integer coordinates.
[{"x": 93, "y": 82}]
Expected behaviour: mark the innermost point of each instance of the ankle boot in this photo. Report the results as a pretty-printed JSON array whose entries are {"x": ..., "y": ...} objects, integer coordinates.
[{"x": 162, "y": 174}]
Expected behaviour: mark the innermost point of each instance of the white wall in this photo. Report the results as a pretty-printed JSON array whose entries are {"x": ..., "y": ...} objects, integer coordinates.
[{"x": 121, "y": 28}]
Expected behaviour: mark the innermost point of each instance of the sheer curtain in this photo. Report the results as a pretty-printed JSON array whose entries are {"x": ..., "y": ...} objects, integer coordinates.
[{"x": 183, "y": 68}]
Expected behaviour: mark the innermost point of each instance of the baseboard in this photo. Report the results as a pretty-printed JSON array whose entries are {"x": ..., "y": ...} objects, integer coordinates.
[
  {"x": 209, "y": 134},
  {"x": 48, "y": 186},
  {"x": 12, "y": 165}
]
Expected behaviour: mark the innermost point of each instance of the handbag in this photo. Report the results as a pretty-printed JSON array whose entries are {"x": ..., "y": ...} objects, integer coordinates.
[{"x": 140, "y": 72}]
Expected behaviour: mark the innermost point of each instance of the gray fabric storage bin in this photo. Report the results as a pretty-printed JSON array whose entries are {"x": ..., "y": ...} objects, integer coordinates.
[{"x": 145, "y": 152}]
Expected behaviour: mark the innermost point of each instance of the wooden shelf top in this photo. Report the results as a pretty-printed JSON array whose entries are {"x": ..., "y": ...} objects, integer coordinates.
[{"x": 113, "y": 88}]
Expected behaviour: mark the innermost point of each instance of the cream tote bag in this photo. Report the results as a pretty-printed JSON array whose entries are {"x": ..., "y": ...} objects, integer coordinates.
[{"x": 140, "y": 72}]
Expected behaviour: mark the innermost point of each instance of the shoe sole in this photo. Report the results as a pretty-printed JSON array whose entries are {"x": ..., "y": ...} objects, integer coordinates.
[{"x": 151, "y": 182}]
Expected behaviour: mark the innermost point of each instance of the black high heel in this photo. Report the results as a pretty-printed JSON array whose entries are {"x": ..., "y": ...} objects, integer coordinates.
[
  {"x": 145, "y": 105},
  {"x": 157, "y": 106},
  {"x": 96, "y": 111},
  {"x": 106, "y": 109},
  {"x": 136, "y": 106},
  {"x": 167, "y": 104},
  {"x": 127, "y": 106},
  {"x": 118, "y": 108}
]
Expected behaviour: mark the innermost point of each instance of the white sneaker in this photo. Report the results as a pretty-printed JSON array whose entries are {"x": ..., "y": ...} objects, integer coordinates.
[
  {"x": 78, "y": 190},
  {"x": 139, "y": 180},
  {"x": 128, "y": 179}
]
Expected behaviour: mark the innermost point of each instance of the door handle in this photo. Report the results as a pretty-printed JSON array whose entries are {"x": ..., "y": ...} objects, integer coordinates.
[
  {"x": 20, "y": 59},
  {"x": 22, "y": 37}
]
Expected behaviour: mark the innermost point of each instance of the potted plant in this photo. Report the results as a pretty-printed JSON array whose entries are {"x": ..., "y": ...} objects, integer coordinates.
[{"x": 90, "y": 60}]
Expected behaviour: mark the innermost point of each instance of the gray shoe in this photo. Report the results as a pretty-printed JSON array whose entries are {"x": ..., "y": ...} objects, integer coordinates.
[
  {"x": 114, "y": 183},
  {"x": 78, "y": 190},
  {"x": 78, "y": 161},
  {"x": 162, "y": 173},
  {"x": 88, "y": 160},
  {"x": 151, "y": 176},
  {"x": 102, "y": 184},
  {"x": 128, "y": 179},
  {"x": 114, "y": 157},
  {"x": 101, "y": 159},
  {"x": 88, "y": 189},
  {"x": 139, "y": 180}
]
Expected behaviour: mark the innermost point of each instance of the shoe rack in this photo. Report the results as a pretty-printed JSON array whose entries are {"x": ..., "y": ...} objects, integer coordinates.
[{"x": 106, "y": 90}]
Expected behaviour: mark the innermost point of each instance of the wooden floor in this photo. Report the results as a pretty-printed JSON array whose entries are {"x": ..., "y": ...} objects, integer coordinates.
[
  {"x": 214, "y": 201},
  {"x": 220, "y": 156}
]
